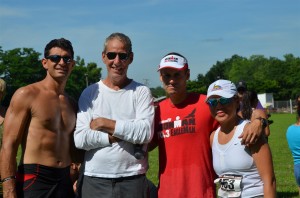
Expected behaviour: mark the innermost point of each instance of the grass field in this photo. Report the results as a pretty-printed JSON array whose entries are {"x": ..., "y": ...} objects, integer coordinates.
[{"x": 282, "y": 158}]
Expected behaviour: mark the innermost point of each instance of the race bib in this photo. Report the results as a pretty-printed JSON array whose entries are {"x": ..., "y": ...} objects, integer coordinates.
[{"x": 229, "y": 185}]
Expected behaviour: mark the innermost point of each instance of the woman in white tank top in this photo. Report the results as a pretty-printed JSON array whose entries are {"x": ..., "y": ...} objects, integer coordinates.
[{"x": 243, "y": 171}]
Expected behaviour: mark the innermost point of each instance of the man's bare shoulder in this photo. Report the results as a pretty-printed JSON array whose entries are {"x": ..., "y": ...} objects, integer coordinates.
[
  {"x": 26, "y": 93},
  {"x": 20, "y": 107}
]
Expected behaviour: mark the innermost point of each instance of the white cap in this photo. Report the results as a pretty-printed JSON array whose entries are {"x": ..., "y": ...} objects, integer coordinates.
[
  {"x": 173, "y": 61},
  {"x": 223, "y": 88}
]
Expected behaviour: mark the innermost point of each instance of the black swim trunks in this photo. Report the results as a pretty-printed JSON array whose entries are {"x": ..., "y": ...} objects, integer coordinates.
[{"x": 34, "y": 180}]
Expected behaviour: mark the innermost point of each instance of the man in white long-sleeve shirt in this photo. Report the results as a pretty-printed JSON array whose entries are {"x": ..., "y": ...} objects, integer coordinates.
[{"x": 114, "y": 114}]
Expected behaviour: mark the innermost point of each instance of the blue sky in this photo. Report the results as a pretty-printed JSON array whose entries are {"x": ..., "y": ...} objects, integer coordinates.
[{"x": 205, "y": 31}]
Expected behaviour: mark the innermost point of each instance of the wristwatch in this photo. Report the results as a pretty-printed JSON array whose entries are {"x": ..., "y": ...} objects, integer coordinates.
[{"x": 264, "y": 121}]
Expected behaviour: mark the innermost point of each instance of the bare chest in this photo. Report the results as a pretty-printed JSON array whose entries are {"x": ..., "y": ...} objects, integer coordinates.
[{"x": 54, "y": 114}]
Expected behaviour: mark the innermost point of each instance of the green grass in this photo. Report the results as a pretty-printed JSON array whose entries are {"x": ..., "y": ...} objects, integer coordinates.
[
  {"x": 282, "y": 157},
  {"x": 152, "y": 173}
]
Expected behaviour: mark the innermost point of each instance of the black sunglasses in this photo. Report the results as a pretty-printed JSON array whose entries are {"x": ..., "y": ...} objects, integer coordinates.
[
  {"x": 57, "y": 58},
  {"x": 213, "y": 102},
  {"x": 112, "y": 55}
]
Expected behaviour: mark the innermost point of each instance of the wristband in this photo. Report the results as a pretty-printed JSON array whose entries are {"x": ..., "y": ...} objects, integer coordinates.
[{"x": 8, "y": 178}]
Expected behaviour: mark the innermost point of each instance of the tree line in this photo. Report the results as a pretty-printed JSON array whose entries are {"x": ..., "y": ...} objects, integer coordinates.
[
  {"x": 263, "y": 75},
  {"x": 22, "y": 66}
]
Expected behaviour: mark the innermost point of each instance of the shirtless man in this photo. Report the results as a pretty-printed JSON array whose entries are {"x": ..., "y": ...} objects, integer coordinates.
[{"x": 41, "y": 117}]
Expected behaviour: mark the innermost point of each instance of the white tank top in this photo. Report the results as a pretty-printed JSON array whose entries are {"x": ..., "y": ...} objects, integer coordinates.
[{"x": 233, "y": 158}]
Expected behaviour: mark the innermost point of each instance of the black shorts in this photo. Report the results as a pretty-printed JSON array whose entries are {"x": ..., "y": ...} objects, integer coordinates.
[{"x": 34, "y": 180}]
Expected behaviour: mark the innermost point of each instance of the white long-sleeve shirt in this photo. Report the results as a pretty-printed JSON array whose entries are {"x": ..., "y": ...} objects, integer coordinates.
[{"x": 132, "y": 108}]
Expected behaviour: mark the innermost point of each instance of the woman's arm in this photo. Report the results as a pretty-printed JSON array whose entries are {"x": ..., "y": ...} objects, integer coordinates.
[{"x": 262, "y": 156}]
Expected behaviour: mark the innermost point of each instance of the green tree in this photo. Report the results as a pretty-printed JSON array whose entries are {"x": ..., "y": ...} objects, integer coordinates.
[
  {"x": 264, "y": 75},
  {"x": 239, "y": 70},
  {"x": 199, "y": 85},
  {"x": 291, "y": 69},
  {"x": 158, "y": 92},
  {"x": 81, "y": 77},
  {"x": 19, "y": 67},
  {"x": 222, "y": 70}
]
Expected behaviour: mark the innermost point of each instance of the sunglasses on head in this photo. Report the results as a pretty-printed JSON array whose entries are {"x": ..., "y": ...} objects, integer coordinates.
[
  {"x": 57, "y": 58},
  {"x": 213, "y": 102},
  {"x": 112, "y": 55}
]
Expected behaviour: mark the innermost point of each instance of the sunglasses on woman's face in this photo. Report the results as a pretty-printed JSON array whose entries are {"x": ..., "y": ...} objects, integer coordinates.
[
  {"x": 213, "y": 102},
  {"x": 113, "y": 55}
]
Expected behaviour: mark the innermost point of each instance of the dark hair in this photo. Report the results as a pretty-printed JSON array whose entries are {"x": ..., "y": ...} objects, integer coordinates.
[
  {"x": 121, "y": 37},
  {"x": 249, "y": 101},
  {"x": 298, "y": 108},
  {"x": 241, "y": 86},
  {"x": 61, "y": 43},
  {"x": 175, "y": 53},
  {"x": 297, "y": 99}
]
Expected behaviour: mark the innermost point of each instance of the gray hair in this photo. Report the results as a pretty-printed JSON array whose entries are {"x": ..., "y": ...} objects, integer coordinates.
[{"x": 121, "y": 37}]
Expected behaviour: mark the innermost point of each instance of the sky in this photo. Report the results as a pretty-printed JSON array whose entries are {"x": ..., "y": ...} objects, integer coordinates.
[{"x": 204, "y": 31}]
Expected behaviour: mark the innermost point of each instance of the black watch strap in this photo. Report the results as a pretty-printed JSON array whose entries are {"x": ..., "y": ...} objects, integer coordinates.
[{"x": 264, "y": 121}]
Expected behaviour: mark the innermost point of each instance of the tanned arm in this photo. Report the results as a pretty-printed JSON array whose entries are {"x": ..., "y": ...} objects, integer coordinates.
[
  {"x": 16, "y": 121},
  {"x": 263, "y": 159}
]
